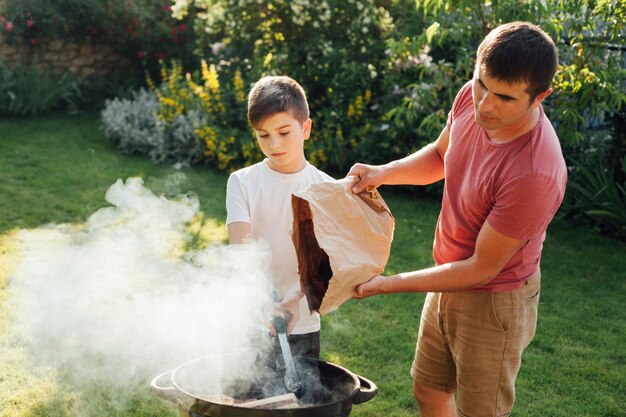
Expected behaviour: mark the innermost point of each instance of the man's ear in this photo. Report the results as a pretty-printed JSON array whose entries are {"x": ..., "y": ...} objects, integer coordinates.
[
  {"x": 542, "y": 96},
  {"x": 306, "y": 128}
]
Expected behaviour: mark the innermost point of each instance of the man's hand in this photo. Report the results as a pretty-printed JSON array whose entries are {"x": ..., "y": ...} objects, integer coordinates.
[
  {"x": 376, "y": 285},
  {"x": 368, "y": 176}
]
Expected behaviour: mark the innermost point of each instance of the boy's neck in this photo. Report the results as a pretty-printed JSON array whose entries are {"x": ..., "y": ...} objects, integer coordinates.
[{"x": 292, "y": 168}]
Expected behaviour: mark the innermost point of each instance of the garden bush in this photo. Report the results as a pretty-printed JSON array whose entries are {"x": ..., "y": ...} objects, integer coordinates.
[
  {"x": 382, "y": 75},
  {"x": 185, "y": 119},
  {"x": 335, "y": 49},
  {"x": 599, "y": 192},
  {"x": 141, "y": 30},
  {"x": 26, "y": 90}
]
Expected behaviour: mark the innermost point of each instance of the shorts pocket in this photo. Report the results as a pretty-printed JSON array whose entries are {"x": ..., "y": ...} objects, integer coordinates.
[{"x": 501, "y": 307}]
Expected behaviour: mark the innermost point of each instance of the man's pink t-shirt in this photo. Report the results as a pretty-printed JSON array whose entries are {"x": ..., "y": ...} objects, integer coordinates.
[{"x": 516, "y": 187}]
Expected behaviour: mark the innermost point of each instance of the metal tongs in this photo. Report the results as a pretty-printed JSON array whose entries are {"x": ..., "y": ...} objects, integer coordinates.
[{"x": 292, "y": 381}]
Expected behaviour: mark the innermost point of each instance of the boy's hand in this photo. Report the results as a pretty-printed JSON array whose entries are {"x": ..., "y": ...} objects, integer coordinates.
[
  {"x": 367, "y": 177},
  {"x": 292, "y": 306},
  {"x": 289, "y": 309}
]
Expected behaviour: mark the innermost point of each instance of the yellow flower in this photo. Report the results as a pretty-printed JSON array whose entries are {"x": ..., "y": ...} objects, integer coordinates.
[
  {"x": 163, "y": 73},
  {"x": 368, "y": 96},
  {"x": 238, "y": 84},
  {"x": 358, "y": 105},
  {"x": 209, "y": 137},
  {"x": 150, "y": 83},
  {"x": 209, "y": 75}
]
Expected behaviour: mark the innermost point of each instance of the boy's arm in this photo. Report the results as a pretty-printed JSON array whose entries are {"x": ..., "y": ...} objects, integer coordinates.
[{"x": 238, "y": 232}]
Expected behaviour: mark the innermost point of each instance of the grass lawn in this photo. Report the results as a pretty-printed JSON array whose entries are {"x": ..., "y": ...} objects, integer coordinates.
[{"x": 57, "y": 170}]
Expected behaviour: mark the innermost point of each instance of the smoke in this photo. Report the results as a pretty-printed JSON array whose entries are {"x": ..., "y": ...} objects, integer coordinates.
[{"x": 118, "y": 298}]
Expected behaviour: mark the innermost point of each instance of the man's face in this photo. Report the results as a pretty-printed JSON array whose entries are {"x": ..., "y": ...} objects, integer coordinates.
[
  {"x": 281, "y": 138},
  {"x": 499, "y": 105}
]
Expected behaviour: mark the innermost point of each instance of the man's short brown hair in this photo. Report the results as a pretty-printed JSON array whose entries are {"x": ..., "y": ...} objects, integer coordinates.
[
  {"x": 277, "y": 94},
  {"x": 519, "y": 52}
]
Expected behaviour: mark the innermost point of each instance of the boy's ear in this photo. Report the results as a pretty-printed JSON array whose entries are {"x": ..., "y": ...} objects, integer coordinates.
[{"x": 306, "y": 128}]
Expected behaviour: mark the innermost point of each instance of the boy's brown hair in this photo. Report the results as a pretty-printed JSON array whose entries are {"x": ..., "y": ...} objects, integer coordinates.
[
  {"x": 519, "y": 52},
  {"x": 277, "y": 94}
]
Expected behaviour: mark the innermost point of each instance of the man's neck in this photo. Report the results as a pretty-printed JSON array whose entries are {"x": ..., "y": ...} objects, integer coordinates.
[{"x": 510, "y": 133}]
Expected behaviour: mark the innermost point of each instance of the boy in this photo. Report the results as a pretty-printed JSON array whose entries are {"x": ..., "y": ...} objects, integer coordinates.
[{"x": 258, "y": 197}]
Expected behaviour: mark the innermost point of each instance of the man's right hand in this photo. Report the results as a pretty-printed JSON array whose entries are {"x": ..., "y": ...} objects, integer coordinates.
[
  {"x": 378, "y": 284},
  {"x": 367, "y": 176}
]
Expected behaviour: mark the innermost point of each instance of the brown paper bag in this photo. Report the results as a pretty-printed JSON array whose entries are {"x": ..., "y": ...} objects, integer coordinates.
[{"x": 341, "y": 240}]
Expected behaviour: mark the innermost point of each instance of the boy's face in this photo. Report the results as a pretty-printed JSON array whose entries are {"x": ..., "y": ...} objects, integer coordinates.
[{"x": 281, "y": 138}]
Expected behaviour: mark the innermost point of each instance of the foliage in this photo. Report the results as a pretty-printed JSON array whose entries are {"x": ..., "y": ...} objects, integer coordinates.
[
  {"x": 590, "y": 37},
  {"x": 131, "y": 123},
  {"x": 141, "y": 30},
  {"x": 134, "y": 126},
  {"x": 184, "y": 119},
  {"x": 597, "y": 189},
  {"x": 335, "y": 49},
  {"x": 26, "y": 90},
  {"x": 593, "y": 66},
  {"x": 589, "y": 86},
  {"x": 382, "y": 75}
]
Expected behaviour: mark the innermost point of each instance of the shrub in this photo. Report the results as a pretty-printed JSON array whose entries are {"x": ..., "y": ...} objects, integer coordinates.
[
  {"x": 381, "y": 76},
  {"x": 141, "y": 30},
  {"x": 335, "y": 49},
  {"x": 589, "y": 87},
  {"x": 598, "y": 191},
  {"x": 131, "y": 123},
  {"x": 25, "y": 90},
  {"x": 184, "y": 119}
]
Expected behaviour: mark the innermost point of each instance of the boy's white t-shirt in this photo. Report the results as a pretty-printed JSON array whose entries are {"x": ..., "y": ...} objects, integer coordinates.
[{"x": 261, "y": 197}]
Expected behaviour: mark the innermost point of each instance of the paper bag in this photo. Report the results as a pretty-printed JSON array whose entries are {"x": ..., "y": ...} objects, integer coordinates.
[{"x": 341, "y": 240}]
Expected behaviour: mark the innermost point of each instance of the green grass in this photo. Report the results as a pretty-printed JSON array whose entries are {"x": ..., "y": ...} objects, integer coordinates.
[{"x": 57, "y": 169}]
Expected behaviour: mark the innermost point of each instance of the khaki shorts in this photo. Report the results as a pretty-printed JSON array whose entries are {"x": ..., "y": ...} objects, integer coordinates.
[{"x": 471, "y": 343}]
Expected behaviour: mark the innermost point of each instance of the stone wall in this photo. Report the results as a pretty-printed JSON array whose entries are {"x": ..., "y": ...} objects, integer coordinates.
[{"x": 84, "y": 59}]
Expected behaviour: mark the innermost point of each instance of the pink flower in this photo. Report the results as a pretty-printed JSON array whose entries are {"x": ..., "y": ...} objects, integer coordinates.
[
  {"x": 182, "y": 28},
  {"x": 8, "y": 26},
  {"x": 140, "y": 54},
  {"x": 33, "y": 41},
  {"x": 30, "y": 23},
  {"x": 168, "y": 7}
]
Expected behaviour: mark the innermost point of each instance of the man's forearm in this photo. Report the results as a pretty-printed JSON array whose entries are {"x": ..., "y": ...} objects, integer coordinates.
[
  {"x": 420, "y": 168},
  {"x": 454, "y": 276}
]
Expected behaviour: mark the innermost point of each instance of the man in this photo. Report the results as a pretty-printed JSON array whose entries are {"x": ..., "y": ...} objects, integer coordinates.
[{"x": 504, "y": 180}]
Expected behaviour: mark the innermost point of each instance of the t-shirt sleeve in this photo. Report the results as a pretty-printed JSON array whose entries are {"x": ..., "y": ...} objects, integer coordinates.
[
  {"x": 525, "y": 206},
  {"x": 463, "y": 99},
  {"x": 237, "y": 207}
]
